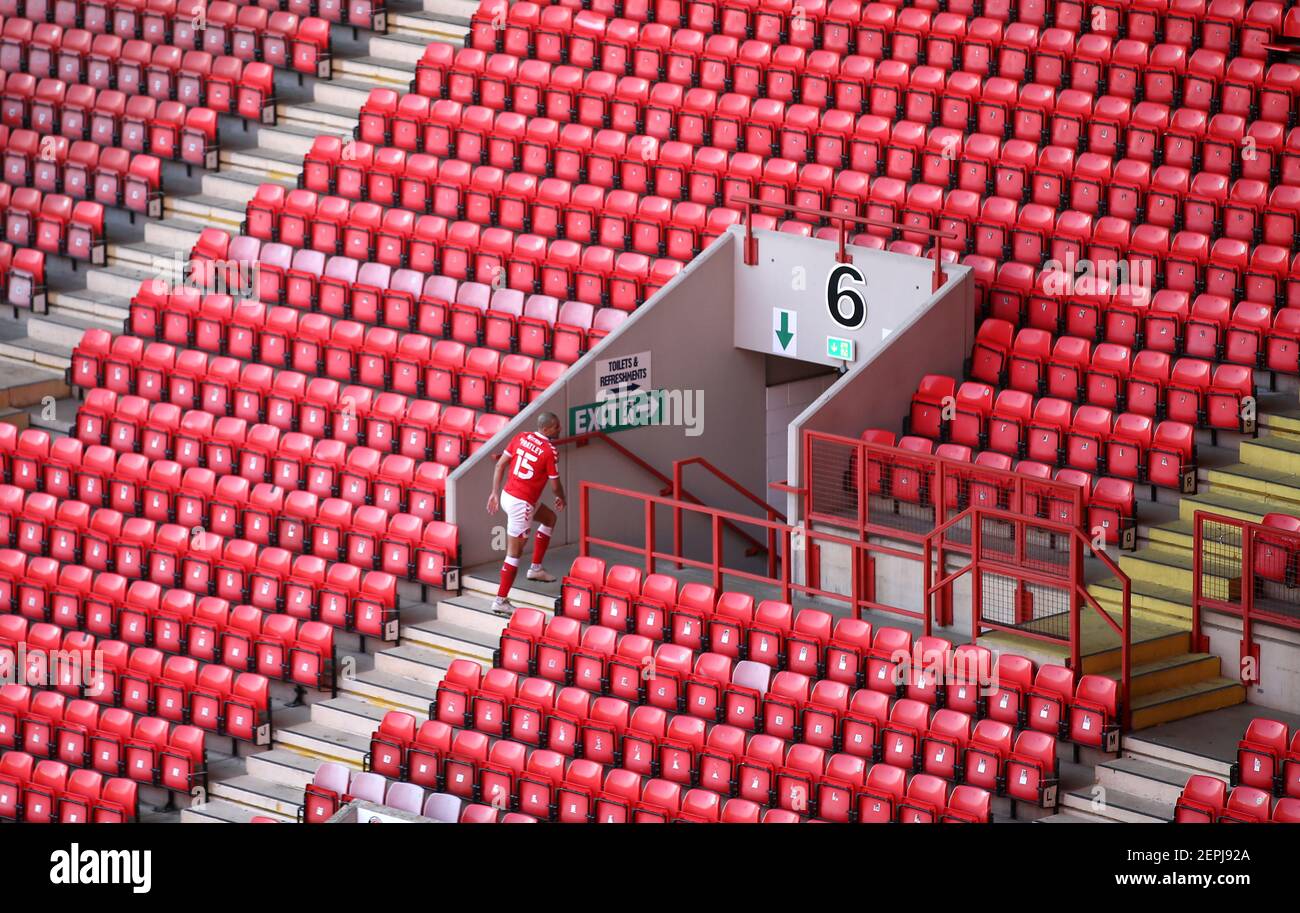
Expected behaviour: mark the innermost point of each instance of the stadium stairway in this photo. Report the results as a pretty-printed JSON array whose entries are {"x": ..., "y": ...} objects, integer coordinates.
[
  {"x": 404, "y": 677},
  {"x": 37, "y": 348},
  {"x": 1242, "y": 476}
]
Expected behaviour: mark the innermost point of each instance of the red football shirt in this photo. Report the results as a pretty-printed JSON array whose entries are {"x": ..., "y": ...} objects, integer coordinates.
[{"x": 534, "y": 462}]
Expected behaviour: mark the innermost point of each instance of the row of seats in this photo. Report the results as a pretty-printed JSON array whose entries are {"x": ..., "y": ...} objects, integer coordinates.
[
  {"x": 907, "y": 473},
  {"x": 1132, "y": 67},
  {"x": 717, "y": 723},
  {"x": 520, "y": 202},
  {"x": 53, "y": 223},
  {"x": 298, "y": 522},
  {"x": 772, "y": 635},
  {"x": 168, "y": 556},
  {"x": 259, "y": 465},
  {"x": 107, "y": 740},
  {"x": 108, "y": 117},
  {"x": 472, "y": 314},
  {"x": 46, "y": 791},
  {"x": 1053, "y": 432},
  {"x": 141, "y": 613},
  {"x": 287, "y": 401},
  {"x": 1139, "y": 340},
  {"x": 1075, "y": 124},
  {"x": 291, "y": 37},
  {"x": 459, "y": 251},
  {"x": 177, "y": 689},
  {"x": 1207, "y": 800},
  {"x": 1265, "y": 759},
  {"x": 444, "y": 371},
  {"x": 333, "y": 786},
  {"x": 1219, "y": 24},
  {"x": 655, "y": 766},
  {"x": 111, "y": 176},
  {"x": 1189, "y": 389}
]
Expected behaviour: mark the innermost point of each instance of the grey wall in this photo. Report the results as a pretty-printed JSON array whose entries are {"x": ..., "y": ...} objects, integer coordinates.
[{"x": 688, "y": 328}]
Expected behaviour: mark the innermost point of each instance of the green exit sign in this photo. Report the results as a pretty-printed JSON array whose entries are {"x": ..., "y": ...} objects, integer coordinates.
[{"x": 839, "y": 349}]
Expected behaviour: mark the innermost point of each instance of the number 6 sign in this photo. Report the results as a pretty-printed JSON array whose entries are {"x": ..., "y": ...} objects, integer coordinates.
[{"x": 847, "y": 305}]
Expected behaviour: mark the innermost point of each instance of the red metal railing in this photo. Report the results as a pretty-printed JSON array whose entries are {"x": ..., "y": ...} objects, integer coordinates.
[
  {"x": 1247, "y": 570},
  {"x": 1029, "y": 551},
  {"x": 843, "y": 219},
  {"x": 1027, "y": 578},
  {"x": 679, "y": 493},
  {"x": 795, "y": 547},
  {"x": 672, "y": 485},
  {"x": 877, "y": 489}
]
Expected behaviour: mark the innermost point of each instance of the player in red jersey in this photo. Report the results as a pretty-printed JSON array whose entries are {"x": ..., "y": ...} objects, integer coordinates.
[{"x": 531, "y": 460}]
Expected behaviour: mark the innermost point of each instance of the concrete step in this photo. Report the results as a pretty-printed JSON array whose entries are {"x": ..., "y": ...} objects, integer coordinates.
[
  {"x": 282, "y": 766},
  {"x": 348, "y": 714},
  {"x": 59, "y": 329},
  {"x": 391, "y": 692},
  {"x": 1272, "y": 452},
  {"x": 263, "y": 796},
  {"x": 112, "y": 311},
  {"x": 1144, "y": 779},
  {"x": 223, "y": 811},
  {"x": 351, "y": 92},
  {"x": 451, "y": 10},
  {"x": 1270, "y": 485},
  {"x": 221, "y": 212},
  {"x": 1170, "y": 672},
  {"x": 327, "y": 118},
  {"x": 178, "y": 234},
  {"x": 121, "y": 282},
  {"x": 23, "y": 385},
  {"x": 323, "y": 743},
  {"x": 523, "y": 593},
  {"x": 429, "y": 27},
  {"x": 455, "y": 641},
  {"x": 1134, "y": 746},
  {"x": 1222, "y": 501},
  {"x": 1117, "y": 805},
  {"x": 1069, "y": 818},
  {"x": 29, "y": 352},
  {"x": 1186, "y": 700},
  {"x": 237, "y": 185},
  {"x": 264, "y": 164},
  {"x": 421, "y": 664},
  {"x": 1163, "y": 566},
  {"x": 159, "y": 260},
  {"x": 292, "y": 139},
  {"x": 402, "y": 48},
  {"x": 474, "y": 612},
  {"x": 370, "y": 71}
]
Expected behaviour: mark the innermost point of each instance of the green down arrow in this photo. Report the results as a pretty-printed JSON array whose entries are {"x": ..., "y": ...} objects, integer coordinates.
[{"x": 784, "y": 335}]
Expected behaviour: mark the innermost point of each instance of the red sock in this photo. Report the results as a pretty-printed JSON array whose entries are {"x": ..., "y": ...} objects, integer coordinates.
[
  {"x": 539, "y": 545},
  {"x": 508, "y": 572}
]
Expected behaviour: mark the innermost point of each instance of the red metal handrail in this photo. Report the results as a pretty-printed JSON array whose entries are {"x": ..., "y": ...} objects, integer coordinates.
[
  {"x": 859, "y": 598},
  {"x": 842, "y": 255},
  {"x": 1245, "y": 570},
  {"x": 1072, "y": 580},
  {"x": 678, "y": 492},
  {"x": 671, "y": 485}
]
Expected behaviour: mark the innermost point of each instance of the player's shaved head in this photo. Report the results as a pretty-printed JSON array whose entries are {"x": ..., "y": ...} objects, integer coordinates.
[{"x": 548, "y": 423}]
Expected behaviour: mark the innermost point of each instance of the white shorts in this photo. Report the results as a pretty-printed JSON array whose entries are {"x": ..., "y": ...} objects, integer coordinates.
[{"x": 519, "y": 515}]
